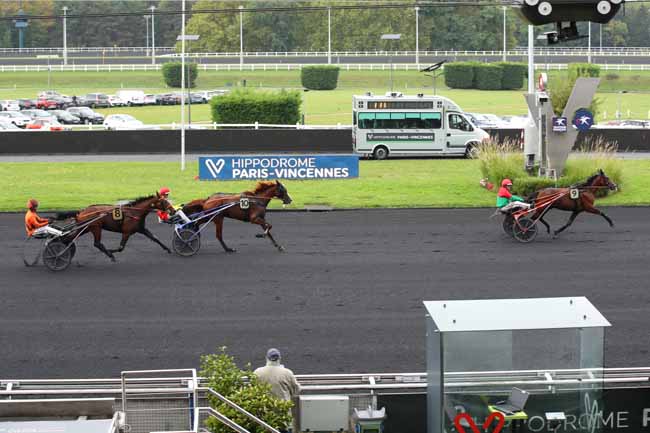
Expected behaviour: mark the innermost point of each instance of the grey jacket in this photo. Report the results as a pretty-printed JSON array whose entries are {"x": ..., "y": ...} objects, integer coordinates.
[{"x": 283, "y": 383}]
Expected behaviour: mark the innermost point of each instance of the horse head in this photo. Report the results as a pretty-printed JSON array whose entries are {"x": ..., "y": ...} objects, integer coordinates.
[
  {"x": 281, "y": 193},
  {"x": 161, "y": 203},
  {"x": 601, "y": 179}
]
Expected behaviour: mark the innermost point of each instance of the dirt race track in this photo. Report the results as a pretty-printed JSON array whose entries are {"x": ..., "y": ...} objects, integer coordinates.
[{"x": 345, "y": 297}]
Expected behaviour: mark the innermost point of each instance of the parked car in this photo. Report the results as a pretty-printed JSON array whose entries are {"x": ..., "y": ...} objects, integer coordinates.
[
  {"x": 496, "y": 120},
  {"x": 47, "y": 103},
  {"x": 94, "y": 100},
  {"x": 170, "y": 99},
  {"x": 45, "y": 125},
  {"x": 635, "y": 124},
  {"x": 6, "y": 125},
  {"x": 149, "y": 99},
  {"x": 480, "y": 121},
  {"x": 66, "y": 117},
  {"x": 116, "y": 101},
  {"x": 9, "y": 105},
  {"x": 206, "y": 95},
  {"x": 117, "y": 122},
  {"x": 15, "y": 117},
  {"x": 38, "y": 114},
  {"x": 196, "y": 98},
  {"x": 86, "y": 115},
  {"x": 26, "y": 104},
  {"x": 131, "y": 97}
]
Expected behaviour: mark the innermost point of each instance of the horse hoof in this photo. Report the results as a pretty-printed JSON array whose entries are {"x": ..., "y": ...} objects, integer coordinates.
[
  {"x": 281, "y": 249},
  {"x": 231, "y": 250},
  {"x": 113, "y": 260},
  {"x": 260, "y": 235}
]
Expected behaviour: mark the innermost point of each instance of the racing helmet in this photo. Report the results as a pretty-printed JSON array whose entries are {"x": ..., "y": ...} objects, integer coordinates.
[
  {"x": 506, "y": 182},
  {"x": 164, "y": 191}
]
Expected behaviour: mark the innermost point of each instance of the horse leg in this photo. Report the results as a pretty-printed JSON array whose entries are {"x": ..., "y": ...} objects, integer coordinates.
[
  {"x": 593, "y": 210},
  {"x": 548, "y": 227},
  {"x": 267, "y": 231},
  {"x": 145, "y": 231},
  {"x": 125, "y": 238},
  {"x": 97, "y": 235},
  {"x": 218, "y": 222},
  {"x": 571, "y": 219}
]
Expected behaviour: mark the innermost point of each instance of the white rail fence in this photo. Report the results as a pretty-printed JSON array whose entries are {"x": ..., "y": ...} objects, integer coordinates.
[{"x": 277, "y": 67}]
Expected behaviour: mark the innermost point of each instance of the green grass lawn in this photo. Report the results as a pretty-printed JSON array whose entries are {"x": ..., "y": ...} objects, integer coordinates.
[
  {"x": 393, "y": 183},
  {"x": 320, "y": 107}
]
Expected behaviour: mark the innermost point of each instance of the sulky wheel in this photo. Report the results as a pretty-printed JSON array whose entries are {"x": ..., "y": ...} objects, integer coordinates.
[
  {"x": 57, "y": 255},
  {"x": 32, "y": 250},
  {"x": 508, "y": 223},
  {"x": 186, "y": 242},
  {"x": 524, "y": 230}
]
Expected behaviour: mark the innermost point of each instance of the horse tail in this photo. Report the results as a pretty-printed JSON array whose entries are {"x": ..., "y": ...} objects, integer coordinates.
[{"x": 65, "y": 215}]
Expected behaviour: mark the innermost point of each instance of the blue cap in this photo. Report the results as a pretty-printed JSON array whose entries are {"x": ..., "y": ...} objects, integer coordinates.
[{"x": 273, "y": 354}]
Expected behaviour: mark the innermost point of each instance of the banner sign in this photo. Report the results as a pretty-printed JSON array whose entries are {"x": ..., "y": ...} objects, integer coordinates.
[
  {"x": 559, "y": 124},
  {"x": 383, "y": 136},
  {"x": 262, "y": 167},
  {"x": 583, "y": 119}
]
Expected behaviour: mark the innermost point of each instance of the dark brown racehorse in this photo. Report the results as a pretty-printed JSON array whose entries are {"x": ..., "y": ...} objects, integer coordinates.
[
  {"x": 257, "y": 201},
  {"x": 584, "y": 202},
  {"x": 127, "y": 219}
]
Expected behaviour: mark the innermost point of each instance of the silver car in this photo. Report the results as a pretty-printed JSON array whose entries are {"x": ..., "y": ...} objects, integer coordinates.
[{"x": 15, "y": 117}]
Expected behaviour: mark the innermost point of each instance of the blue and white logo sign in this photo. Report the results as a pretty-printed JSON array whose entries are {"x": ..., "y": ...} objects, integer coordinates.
[
  {"x": 279, "y": 167},
  {"x": 583, "y": 119},
  {"x": 559, "y": 124}
]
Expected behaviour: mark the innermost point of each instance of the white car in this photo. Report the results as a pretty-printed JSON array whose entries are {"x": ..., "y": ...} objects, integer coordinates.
[
  {"x": 209, "y": 94},
  {"x": 6, "y": 125},
  {"x": 49, "y": 94},
  {"x": 149, "y": 99},
  {"x": 116, "y": 101},
  {"x": 15, "y": 117},
  {"x": 117, "y": 122},
  {"x": 9, "y": 105}
]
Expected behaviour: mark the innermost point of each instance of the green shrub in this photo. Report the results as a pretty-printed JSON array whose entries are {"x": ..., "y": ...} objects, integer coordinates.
[
  {"x": 459, "y": 75},
  {"x": 513, "y": 75},
  {"x": 172, "y": 74},
  {"x": 319, "y": 77},
  {"x": 243, "y": 388},
  {"x": 583, "y": 70},
  {"x": 612, "y": 77},
  {"x": 250, "y": 106},
  {"x": 488, "y": 76}
]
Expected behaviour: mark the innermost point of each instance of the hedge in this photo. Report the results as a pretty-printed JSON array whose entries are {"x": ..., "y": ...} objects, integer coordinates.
[
  {"x": 459, "y": 75},
  {"x": 172, "y": 74},
  {"x": 485, "y": 76},
  {"x": 250, "y": 106},
  {"x": 319, "y": 77},
  {"x": 488, "y": 76},
  {"x": 583, "y": 70},
  {"x": 513, "y": 75}
]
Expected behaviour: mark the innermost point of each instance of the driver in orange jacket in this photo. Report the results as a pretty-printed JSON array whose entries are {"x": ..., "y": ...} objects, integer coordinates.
[{"x": 32, "y": 220}]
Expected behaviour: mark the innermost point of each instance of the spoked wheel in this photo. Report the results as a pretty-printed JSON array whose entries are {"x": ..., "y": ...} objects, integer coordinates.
[
  {"x": 32, "y": 250},
  {"x": 57, "y": 255},
  {"x": 508, "y": 223},
  {"x": 524, "y": 230},
  {"x": 186, "y": 242}
]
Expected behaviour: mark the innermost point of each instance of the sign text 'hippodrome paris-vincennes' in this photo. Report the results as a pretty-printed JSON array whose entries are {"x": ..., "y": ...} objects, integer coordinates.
[{"x": 279, "y": 167}]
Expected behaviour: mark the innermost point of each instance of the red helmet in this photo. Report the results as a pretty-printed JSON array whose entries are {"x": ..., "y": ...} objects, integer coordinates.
[
  {"x": 32, "y": 203},
  {"x": 506, "y": 182},
  {"x": 164, "y": 191}
]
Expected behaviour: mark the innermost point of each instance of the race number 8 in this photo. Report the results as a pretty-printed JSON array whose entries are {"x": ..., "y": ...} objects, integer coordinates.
[{"x": 117, "y": 214}]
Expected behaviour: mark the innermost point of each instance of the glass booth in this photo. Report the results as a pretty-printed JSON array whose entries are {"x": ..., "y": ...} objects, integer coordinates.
[{"x": 537, "y": 362}]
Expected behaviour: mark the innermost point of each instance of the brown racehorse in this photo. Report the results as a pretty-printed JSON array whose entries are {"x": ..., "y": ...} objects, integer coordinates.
[
  {"x": 127, "y": 219},
  {"x": 258, "y": 200},
  {"x": 584, "y": 202}
]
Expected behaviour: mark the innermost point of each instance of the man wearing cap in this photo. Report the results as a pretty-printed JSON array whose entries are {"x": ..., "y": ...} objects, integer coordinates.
[
  {"x": 164, "y": 193},
  {"x": 507, "y": 201},
  {"x": 32, "y": 220},
  {"x": 283, "y": 383}
]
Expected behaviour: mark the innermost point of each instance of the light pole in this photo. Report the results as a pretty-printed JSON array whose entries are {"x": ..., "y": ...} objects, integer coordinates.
[
  {"x": 600, "y": 28},
  {"x": 153, "y": 37},
  {"x": 183, "y": 86},
  {"x": 241, "y": 37},
  {"x": 65, "y": 35},
  {"x": 329, "y": 35},
  {"x": 589, "y": 44},
  {"x": 146, "y": 40},
  {"x": 504, "y": 32},
  {"x": 417, "y": 36},
  {"x": 391, "y": 37}
]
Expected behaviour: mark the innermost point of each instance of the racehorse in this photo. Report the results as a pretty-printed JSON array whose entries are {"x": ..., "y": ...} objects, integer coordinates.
[
  {"x": 251, "y": 207},
  {"x": 127, "y": 219},
  {"x": 560, "y": 198}
]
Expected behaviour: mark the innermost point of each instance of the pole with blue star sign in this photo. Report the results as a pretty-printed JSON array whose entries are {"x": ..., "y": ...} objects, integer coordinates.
[{"x": 583, "y": 119}]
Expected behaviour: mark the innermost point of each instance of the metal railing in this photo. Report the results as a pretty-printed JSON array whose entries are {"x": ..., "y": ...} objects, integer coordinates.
[{"x": 214, "y": 125}]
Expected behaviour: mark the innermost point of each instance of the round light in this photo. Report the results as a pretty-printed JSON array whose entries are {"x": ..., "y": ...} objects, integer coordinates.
[
  {"x": 545, "y": 9},
  {"x": 604, "y": 7}
]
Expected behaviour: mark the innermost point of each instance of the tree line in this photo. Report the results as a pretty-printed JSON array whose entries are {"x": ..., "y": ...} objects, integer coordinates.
[{"x": 441, "y": 28}]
